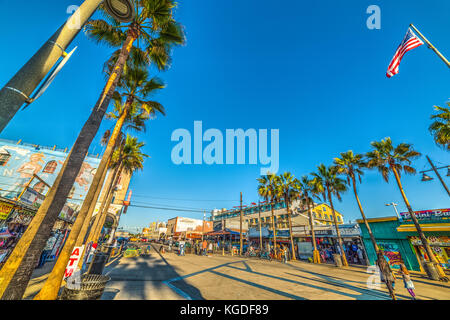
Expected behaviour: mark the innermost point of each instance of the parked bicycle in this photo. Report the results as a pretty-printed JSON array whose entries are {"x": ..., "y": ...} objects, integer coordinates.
[{"x": 265, "y": 256}]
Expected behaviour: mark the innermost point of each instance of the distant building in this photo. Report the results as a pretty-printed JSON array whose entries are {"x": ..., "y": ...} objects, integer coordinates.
[
  {"x": 322, "y": 216},
  {"x": 187, "y": 228}
]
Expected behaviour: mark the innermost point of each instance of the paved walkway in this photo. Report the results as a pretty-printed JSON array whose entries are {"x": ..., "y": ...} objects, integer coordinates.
[{"x": 169, "y": 276}]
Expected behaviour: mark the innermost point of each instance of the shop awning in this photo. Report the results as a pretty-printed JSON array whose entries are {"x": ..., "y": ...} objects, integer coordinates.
[
  {"x": 225, "y": 232},
  {"x": 429, "y": 227}
]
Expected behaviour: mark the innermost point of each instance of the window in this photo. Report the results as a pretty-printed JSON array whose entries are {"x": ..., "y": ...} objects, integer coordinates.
[
  {"x": 324, "y": 209},
  {"x": 39, "y": 187},
  {"x": 50, "y": 167},
  {"x": 4, "y": 158}
]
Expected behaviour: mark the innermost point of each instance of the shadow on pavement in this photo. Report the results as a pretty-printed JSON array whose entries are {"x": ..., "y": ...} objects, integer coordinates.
[{"x": 144, "y": 277}]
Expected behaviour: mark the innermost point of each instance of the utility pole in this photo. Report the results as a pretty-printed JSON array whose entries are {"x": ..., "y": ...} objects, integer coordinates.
[
  {"x": 240, "y": 236},
  {"x": 260, "y": 229},
  {"x": 203, "y": 226},
  {"x": 438, "y": 175}
]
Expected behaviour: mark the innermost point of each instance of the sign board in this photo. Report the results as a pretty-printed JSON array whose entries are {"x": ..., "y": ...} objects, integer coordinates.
[
  {"x": 32, "y": 198},
  {"x": 254, "y": 232},
  {"x": 5, "y": 210},
  {"x": 427, "y": 214},
  {"x": 73, "y": 261}
]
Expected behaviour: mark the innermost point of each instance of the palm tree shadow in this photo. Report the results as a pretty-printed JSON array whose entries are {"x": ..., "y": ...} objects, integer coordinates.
[{"x": 144, "y": 278}]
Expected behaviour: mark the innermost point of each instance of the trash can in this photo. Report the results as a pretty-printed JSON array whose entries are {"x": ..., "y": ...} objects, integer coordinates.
[
  {"x": 98, "y": 263},
  {"x": 431, "y": 271},
  {"x": 91, "y": 288},
  {"x": 337, "y": 260}
]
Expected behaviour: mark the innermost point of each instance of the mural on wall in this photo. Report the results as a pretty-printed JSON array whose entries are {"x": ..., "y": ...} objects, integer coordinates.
[
  {"x": 20, "y": 163},
  {"x": 391, "y": 253}
]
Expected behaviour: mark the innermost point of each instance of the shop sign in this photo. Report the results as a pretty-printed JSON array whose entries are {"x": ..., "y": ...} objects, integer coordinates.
[
  {"x": 254, "y": 232},
  {"x": 432, "y": 240},
  {"x": 427, "y": 214},
  {"x": 32, "y": 198},
  {"x": 73, "y": 261},
  {"x": 352, "y": 231},
  {"x": 327, "y": 232},
  {"x": 280, "y": 233},
  {"x": 5, "y": 210}
]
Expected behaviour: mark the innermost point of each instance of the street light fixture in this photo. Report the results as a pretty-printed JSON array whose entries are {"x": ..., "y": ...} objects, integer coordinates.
[
  {"x": 20, "y": 87},
  {"x": 121, "y": 10},
  {"x": 425, "y": 177},
  {"x": 395, "y": 208}
]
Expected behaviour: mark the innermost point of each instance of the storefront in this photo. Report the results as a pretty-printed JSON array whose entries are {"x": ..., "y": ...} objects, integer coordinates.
[
  {"x": 16, "y": 216},
  {"x": 435, "y": 225},
  {"x": 395, "y": 245},
  {"x": 327, "y": 243}
]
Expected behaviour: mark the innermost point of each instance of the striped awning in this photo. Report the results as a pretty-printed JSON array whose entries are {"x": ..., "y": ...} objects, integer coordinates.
[{"x": 429, "y": 227}]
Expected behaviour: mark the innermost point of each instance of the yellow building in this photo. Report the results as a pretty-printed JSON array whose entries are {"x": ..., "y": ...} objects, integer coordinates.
[{"x": 322, "y": 213}]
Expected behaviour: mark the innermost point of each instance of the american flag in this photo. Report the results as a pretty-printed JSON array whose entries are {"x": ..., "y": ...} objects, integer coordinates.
[{"x": 411, "y": 41}]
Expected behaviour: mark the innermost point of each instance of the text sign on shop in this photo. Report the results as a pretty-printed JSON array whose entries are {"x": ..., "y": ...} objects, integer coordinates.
[
  {"x": 5, "y": 209},
  {"x": 73, "y": 261},
  {"x": 427, "y": 214}
]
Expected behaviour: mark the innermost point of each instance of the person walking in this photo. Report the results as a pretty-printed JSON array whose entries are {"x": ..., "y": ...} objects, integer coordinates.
[
  {"x": 284, "y": 250},
  {"x": 386, "y": 274},
  {"x": 181, "y": 245},
  {"x": 204, "y": 247},
  {"x": 409, "y": 285}
]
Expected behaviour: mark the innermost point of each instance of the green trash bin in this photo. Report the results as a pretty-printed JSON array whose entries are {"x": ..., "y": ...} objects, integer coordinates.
[{"x": 91, "y": 288}]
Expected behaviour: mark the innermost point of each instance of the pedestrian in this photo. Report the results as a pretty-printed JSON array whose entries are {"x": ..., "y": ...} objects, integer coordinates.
[
  {"x": 204, "y": 247},
  {"x": 285, "y": 254},
  {"x": 409, "y": 285},
  {"x": 181, "y": 245},
  {"x": 359, "y": 252},
  {"x": 386, "y": 274},
  {"x": 210, "y": 247}
]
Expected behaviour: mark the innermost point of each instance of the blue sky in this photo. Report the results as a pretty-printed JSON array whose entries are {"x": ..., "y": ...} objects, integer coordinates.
[{"x": 313, "y": 70}]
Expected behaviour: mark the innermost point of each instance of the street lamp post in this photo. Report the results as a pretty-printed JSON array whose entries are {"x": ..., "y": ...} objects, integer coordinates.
[
  {"x": 395, "y": 208},
  {"x": 19, "y": 89},
  {"x": 433, "y": 168}
]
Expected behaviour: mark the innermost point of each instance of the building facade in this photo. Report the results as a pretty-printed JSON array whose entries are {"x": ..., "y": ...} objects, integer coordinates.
[{"x": 399, "y": 240}]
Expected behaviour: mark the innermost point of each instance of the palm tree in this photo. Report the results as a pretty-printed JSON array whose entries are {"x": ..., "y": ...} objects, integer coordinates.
[
  {"x": 128, "y": 159},
  {"x": 266, "y": 189},
  {"x": 155, "y": 27},
  {"x": 327, "y": 183},
  {"x": 440, "y": 128},
  {"x": 351, "y": 166},
  {"x": 306, "y": 188},
  {"x": 136, "y": 88},
  {"x": 287, "y": 189},
  {"x": 387, "y": 158}
]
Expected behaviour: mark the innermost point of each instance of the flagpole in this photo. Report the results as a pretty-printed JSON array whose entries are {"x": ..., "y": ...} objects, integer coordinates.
[{"x": 431, "y": 46}]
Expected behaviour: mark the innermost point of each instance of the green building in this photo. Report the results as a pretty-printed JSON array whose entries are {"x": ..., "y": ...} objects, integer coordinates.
[{"x": 401, "y": 243}]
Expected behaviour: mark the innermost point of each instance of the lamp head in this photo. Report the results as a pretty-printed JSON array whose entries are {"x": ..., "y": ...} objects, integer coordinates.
[
  {"x": 425, "y": 177},
  {"x": 121, "y": 10}
]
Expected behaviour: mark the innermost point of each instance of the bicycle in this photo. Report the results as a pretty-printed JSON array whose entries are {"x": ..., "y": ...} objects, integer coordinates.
[{"x": 265, "y": 256}]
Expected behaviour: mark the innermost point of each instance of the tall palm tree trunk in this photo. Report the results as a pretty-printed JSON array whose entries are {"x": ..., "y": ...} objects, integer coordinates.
[
  {"x": 53, "y": 283},
  {"x": 82, "y": 239},
  {"x": 338, "y": 233},
  {"x": 290, "y": 229},
  {"x": 51, "y": 287},
  {"x": 274, "y": 230},
  {"x": 16, "y": 273},
  {"x": 423, "y": 239},
  {"x": 369, "y": 230},
  {"x": 316, "y": 255},
  {"x": 95, "y": 233}
]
